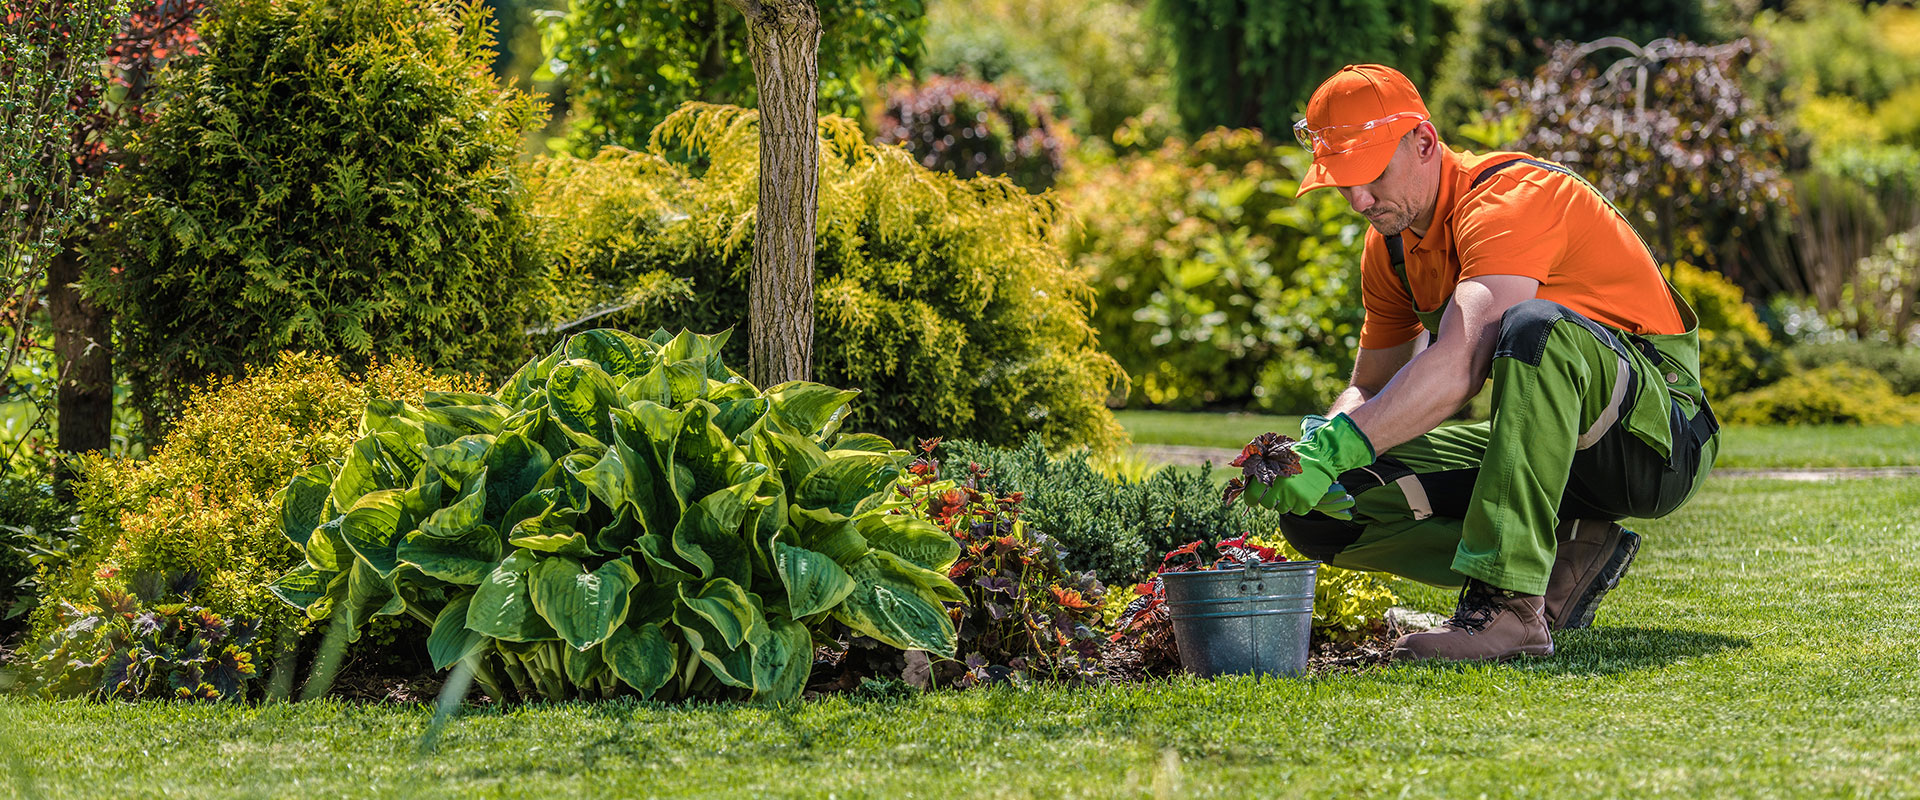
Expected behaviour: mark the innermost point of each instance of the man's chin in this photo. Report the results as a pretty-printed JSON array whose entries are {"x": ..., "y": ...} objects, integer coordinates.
[{"x": 1390, "y": 226}]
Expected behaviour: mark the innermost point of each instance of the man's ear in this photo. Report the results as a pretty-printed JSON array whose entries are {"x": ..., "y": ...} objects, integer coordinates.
[{"x": 1426, "y": 142}]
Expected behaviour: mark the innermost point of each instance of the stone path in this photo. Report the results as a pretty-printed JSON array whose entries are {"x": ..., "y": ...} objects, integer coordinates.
[{"x": 1195, "y": 456}]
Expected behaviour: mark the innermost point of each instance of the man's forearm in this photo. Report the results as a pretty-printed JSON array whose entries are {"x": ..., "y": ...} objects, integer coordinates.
[
  {"x": 1349, "y": 400},
  {"x": 1431, "y": 388}
]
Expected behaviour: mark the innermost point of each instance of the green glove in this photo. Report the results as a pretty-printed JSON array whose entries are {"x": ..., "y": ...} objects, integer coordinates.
[
  {"x": 1329, "y": 450},
  {"x": 1311, "y": 423}
]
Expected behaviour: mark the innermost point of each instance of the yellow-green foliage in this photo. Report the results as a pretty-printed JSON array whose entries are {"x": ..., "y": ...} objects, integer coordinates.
[
  {"x": 1347, "y": 604},
  {"x": 203, "y": 501},
  {"x": 1736, "y": 352},
  {"x": 1217, "y": 286},
  {"x": 948, "y": 302},
  {"x": 1834, "y": 394}
]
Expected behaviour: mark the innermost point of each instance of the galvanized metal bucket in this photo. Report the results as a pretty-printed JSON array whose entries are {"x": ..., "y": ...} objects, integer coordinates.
[{"x": 1252, "y": 621}]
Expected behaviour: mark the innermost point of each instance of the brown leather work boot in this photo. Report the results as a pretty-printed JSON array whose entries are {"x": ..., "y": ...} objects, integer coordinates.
[
  {"x": 1491, "y": 624},
  {"x": 1592, "y": 556}
]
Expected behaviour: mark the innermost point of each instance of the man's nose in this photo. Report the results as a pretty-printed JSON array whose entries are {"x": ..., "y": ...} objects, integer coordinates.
[{"x": 1357, "y": 197}]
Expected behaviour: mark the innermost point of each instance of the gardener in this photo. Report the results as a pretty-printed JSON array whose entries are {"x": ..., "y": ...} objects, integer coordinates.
[{"x": 1521, "y": 272}]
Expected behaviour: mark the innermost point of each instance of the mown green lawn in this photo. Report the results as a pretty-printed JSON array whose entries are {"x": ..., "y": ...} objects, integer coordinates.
[
  {"x": 1741, "y": 447},
  {"x": 1762, "y": 646}
]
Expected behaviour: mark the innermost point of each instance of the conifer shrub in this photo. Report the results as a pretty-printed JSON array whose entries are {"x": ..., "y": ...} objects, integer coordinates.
[
  {"x": 337, "y": 176},
  {"x": 969, "y": 127},
  {"x": 1117, "y": 528},
  {"x": 950, "y": 303},
  {"x": 203, "y": 502}
]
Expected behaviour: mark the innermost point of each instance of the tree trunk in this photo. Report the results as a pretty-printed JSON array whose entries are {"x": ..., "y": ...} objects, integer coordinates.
[
  {"x": 785, "y": 39},
  {"x": 81, "y": 345}
]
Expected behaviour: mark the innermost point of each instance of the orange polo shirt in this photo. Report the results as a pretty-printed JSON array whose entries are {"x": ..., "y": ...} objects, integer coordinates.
[{"x": 1523, "y": 221}]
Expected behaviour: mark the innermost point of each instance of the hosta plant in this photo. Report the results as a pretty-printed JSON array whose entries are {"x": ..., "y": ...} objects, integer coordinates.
[{"x": 623, "y": 511}]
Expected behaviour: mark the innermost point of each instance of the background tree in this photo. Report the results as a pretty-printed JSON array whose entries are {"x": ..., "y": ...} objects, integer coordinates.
[
  {"x": 784, "y": 43},
  {"x": 628, "y": 63},
  {"x": 1253, "y": 63},
  {"x": 156, "y": 31},
  {"x": 48, "y": 86}
]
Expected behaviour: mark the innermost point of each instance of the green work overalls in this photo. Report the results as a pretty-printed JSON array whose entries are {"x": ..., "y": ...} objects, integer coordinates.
[{"x": 1589, "y": 422}]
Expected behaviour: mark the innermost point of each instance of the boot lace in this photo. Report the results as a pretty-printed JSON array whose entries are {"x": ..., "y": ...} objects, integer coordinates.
[{"x": 1479, "y": 604}]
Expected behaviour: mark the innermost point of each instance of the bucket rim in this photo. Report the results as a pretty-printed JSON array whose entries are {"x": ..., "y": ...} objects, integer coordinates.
[{"x": 1264, "y": 567}]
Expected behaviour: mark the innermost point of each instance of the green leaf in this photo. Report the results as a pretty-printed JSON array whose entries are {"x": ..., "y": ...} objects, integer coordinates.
[
  {"x": 583, "y": 607},
  {"x": 663, "y": 564},
  {"x": 706, "y": 450},
  {"x": 501, "y": 606},
  {"x": 916, "y": 540},
  {"x": 826, "y": 532},
  {"x": 568, "y": 544},
  {"x": 434, "y": 399},
  {"x": 374, "y": 526},
  {"x": 739, "y": 420},
  {"x": 720, "y": 607},
  {"x": 732, "y": 665},
  {"x": 621, "y": 354},
  {"x": 781, "y": 662},
  {"x": 610, "y": 477},
  {"x": 379, "y": 461},
  {"x": 514, "y": 468},
  {"x": 462, "y": 458},
  {"x": 650, "y": 386},
  {"x": 302, "y": 502},
  {"x": 650, "y": 432},
  {"x": 486, "y": 420},
  {"x": 579, "y": 395},
  {"x": 451, "y": 640},
  {"x": 393, "y": 416},
  {"x": 465, "y": 559},
  {"x": 640, "y": 656},
  {"x": 369, "y": 594},
  {"x": 795, "y": 456},
  {"x": 464, "y": 514},
  {"x": 327, "y": 550},
  {"x": 686, "y": 381},
  {"x": 531, "y": 377},
  {"x": 808, "y": 409},
  {"x": 708, "y": 535},
  {"x": 583, "y": 666},
  {"x": 889, "y": 603},
  {"x": 845, "y": 483},
  {"x": 863, "y": 442},
  {"x": 814, "y": 582},
  {"x": 302, "y": 586}
]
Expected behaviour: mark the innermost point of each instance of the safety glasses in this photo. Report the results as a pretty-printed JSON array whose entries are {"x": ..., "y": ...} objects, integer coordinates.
[{"x": 1336, "y": 139}]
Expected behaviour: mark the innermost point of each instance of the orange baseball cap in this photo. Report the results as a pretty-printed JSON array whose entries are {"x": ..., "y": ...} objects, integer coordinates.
[{"x": 1354, "y": 124}]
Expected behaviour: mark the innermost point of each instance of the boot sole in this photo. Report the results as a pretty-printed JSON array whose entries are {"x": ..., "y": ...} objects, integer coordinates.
[
  {"x": 1404, "y": 657},
  {"x": 1581, "y": 614}
]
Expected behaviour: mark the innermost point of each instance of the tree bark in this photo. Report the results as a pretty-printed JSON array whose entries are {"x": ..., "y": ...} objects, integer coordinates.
[
  {"x": 784, "y": 37},
  {"x": 81, "y": 345}
]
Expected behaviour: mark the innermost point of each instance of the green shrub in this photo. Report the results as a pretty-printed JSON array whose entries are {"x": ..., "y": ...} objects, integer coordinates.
[
  {"x": 1736, "y": 350},
  {"x": 1217, "y": 286},
  {"x": 627, "y": 65},
  {"x": 330, "y": 175},
  {"x": 1835, "y": 394},
  {"x": 1115, "y": 528},
  {"x": 622, "y": 511},
  {"x": 1253, "y": 64},
  {"x": 1099, "y": 59},
  {"x": 37, "y": 533},
  {"x": 970, "y": 128},
  {"x": 203, "y": 501},
  {"x": 948, "y": 302},
  {"x": 1900, "y": 366}
]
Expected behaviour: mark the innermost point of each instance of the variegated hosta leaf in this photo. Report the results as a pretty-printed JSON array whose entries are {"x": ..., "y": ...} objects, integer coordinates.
[{"x": 583, "y": 607}]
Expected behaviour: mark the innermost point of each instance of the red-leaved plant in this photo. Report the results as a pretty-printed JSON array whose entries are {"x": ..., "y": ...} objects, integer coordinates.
[{"x": 1026, "y": 615}]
